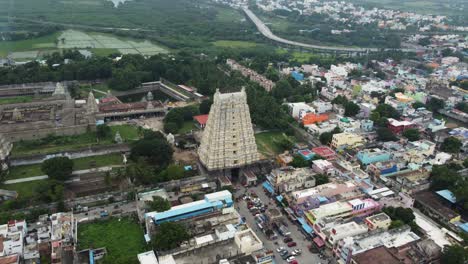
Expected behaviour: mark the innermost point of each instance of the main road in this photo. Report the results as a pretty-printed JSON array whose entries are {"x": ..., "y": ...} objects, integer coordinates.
[{"x": 268, "y": 34}]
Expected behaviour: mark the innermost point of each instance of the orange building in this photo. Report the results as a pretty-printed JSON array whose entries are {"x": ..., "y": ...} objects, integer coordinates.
[{"x": 311, "y": 118}]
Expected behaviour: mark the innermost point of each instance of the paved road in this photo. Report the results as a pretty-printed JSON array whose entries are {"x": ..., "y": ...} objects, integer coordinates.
[
  {"x": 112, "y": 209},
  {"x": 35, "y": 178},
  {"x": 267, "y": 33},
  {"x": 306, "y": 257}
]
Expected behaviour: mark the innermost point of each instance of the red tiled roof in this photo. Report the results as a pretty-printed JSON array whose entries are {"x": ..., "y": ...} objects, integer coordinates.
[
  {"x": 201, "y": 119},
  {"x": 13, "y": 259},
  {"x": 324, "y": 151}
]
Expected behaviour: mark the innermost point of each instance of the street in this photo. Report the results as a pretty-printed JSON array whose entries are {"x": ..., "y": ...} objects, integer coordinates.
[{"x": 296, "y": 234}]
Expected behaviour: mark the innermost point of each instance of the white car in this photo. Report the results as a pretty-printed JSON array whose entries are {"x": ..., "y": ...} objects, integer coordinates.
[
  {"x": 290, "y": 259},
  {"x": 296, "y": 252},
  {"x": 280, "y": 249}
]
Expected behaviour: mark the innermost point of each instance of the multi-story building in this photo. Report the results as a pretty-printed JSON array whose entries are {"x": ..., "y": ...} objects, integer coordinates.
[
  {"x": 287, "y": 179},
  {"x": 299, "y": 110},
  {"x": 322, "y": 107},
  {"x": 378, "y": 221},
  {"x": 374, "y": 155},
  {"x": 12, "y": 235},
  {"x": 339, "y": 209},
  {"x": 398, "y": 127},
  {"x": 349, "y": 246},
  {"x": 336, "y": 233},
  {"x": 343, "y": 140},
  {"x": 212, "y": 202}
]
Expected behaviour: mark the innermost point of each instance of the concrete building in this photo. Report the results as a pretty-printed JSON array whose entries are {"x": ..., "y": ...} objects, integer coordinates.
[
  {"x": 248, "y": 241},
  {"x": 375, "y": 155},
  {"x": 334, "y": 234},
  {"x": 378, "y": 221},
  {"x": 399, "y": 126},
  {"x": 367, "y": 125},
  {"x": 12, "y": 235},
  {"x": 228, "y": 139},
  {"x": 287, "y": 179},
  {"x": 322, "y": 107},
  {"x": 346, "y": 248},
  {"x": 299, "y": 110},
  {"x": 337, "y": 209},
  {"x": 212, "y": 202},
  {"x": 344, "y": 140}
]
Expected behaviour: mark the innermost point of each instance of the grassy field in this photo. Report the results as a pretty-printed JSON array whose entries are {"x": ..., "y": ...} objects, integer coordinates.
[
  {"x": 25, "y": 171},
  {"x": 16, "y": 99},
  {"x": 97, "y": 161},
  {"x": 234, "y": 44},
  {"x": 123, "y": 239},
  {"x": 25, "y": 190},
  {"x": 127, "y": 132},
  {"x": 35, "y": 44},
  {"x": 453, "y": 7},
  {"x": 62, "y": 143},
  {"x": 188, "y": 125},
  {"x": 67, "y": 143},
  {"x": 268, "y": 143}
]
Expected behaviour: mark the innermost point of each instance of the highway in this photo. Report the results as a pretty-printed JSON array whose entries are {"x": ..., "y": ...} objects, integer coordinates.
[{"x": 268, "y": 34}]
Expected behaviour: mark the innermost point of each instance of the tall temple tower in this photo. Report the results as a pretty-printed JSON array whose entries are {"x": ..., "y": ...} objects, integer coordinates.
[{"x": 228, "y": 139}]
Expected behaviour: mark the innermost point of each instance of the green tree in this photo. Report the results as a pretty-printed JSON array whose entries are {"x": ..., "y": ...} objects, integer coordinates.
[
  {"x": 424, "y": 41},
  {"x": 205, "y": 106},
  {"x": 299, "y": 162},
  {"x": 171, "y": 127},
  {"x": 172, "y": 172},
  {"x": 435, "y": 104},
  {"x": 412, "y": 134},
  {"x": 385, "y": 134},
  {"x": 103, "y": 131},
  {"x": 159, "y": 204},
  {"x": 396, "y": 224},
  {"x": 155, "y": 151},
  {"x": 418, "y": 104},
  {"x": 140, "y": 172},
  {"x": 321, "y": 179},
  {"x": 272, "y": 74},
  {"x": 443, "y": 177},
  {"x": 169, "y": 236},
  {"x": 454, "y": 255},
  {"x": 351, "y": 109},
  {"x": 282, "y": 89},
  {"x": 340, "y": 99},
  {"x": 325, "y": 138},
  {"x": 451, "y": 145},
  {"x": 58, "y": 168}
]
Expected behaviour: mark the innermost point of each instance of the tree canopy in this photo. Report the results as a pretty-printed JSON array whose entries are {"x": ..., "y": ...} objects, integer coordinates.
[
  {"x": 169, "y": 236},
  {"x": 58, "y": 168},
  {"x": 451, "y": 145},
  {"x": 412, "y": 134},
  {"x": 454, "y": 255},
  {"x": 385, "y": 134},
  {"x": 159, "y": 204},
  {"x": 156, "y": 151}
]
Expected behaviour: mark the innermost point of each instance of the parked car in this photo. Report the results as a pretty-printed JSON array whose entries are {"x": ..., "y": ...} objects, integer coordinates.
[
  {"x": 295, "y": 262},
  {"x": 290, "y": 259},
  {"x": 280, "y": 249},
  {"x": 296, "y": 252},
  {"x": 292, "y": 244},
  {"x": 287, "y": 239},
  {"x": 284, "y": 252}
]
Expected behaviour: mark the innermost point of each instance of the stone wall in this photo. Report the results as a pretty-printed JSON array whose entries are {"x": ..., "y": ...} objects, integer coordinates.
[{"x": 41, "y": 133}]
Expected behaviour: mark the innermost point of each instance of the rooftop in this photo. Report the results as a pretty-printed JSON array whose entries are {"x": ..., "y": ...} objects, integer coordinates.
[{"x": 377, "y": 255}]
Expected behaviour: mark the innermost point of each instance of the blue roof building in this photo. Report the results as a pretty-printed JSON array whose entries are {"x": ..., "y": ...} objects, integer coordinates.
[
  {"x": 212, "y": 202},
  {"x": 369, "y": 156},
  {"x": 447, "y": 195}
]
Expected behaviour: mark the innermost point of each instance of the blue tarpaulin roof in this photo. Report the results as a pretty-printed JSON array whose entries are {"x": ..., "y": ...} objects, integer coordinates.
[
  {"x": 268, "y": 187},
  {"x": 448, "y": 195},
  {"x": 305, "y": 226},
  {"x": 322, "y": 199},
  {"x": 464, "y": 227},
  {"x": 279, "y": 198},
  {"x": 297, "y": 75}
]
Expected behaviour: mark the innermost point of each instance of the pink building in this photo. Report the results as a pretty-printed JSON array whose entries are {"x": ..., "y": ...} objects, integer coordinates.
[{"x": 364, "y": 207}]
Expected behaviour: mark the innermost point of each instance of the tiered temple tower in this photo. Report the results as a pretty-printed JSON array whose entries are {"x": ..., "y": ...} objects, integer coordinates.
[{"x": 228, "y": 139}]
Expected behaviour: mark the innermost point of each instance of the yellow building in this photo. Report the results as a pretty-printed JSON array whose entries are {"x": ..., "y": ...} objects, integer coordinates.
[
  {"x": 381, "y": 221},
  {"x": 342, "y": 140}
]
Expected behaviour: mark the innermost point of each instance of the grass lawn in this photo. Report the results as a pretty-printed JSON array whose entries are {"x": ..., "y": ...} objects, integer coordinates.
[
  {"x": 188, "y": 125},
  {"x": 25, "y": 189},
  {"x": 25, "y": 171},
  {"x": 123, "y": 239},
  {"x": 16, "y": 99},
  {"x": 41, "y": 43},
  {"x": 99, "y": 161},
  {"x": 268, "y": 143},
  {"x": 234, "y": 44},
  {"x": 58, "y": 144},
  {"x": 127, "y": 132},
  {"x": 104, "y": 52}
]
